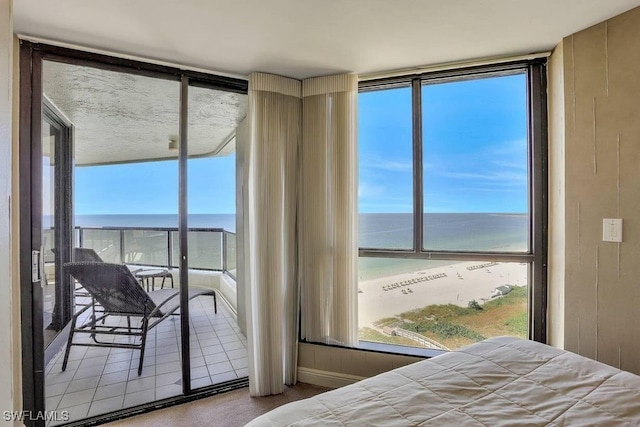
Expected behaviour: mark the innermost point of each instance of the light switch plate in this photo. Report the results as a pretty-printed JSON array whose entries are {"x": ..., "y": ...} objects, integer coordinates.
[{"x": 612, "y": 230}]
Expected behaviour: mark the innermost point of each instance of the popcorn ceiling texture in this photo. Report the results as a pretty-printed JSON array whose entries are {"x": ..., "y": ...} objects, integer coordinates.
[{"x": 121, "y": 117}]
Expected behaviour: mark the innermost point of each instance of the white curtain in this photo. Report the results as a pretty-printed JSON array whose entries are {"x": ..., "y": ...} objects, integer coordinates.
[
  {"x": 327, "y": 239},
  {"x": 301, "y": 234},
  {"x": 274, "y": 116}
]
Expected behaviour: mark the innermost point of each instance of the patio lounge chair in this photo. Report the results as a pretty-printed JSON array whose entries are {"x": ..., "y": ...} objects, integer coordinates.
[
  {"x": 79, "y": 254},
  {"x": 120, "y": 294},
  {"x": 86, "y": 255},
  {"x": 90, "y": 255}
]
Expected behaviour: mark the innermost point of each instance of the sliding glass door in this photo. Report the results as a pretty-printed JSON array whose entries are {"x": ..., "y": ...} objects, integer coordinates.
[
  {"x": 127, "y": 163},
  {"x": 218, "y": 348}
]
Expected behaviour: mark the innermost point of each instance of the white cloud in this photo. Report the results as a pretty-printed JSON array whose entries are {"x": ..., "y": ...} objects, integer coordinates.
[
  {"x": 497, "y": 176},
  {"x": 522, "y": 166},
  {"x": 375, "y": 162},
  {"x": 503, "y": 148}
]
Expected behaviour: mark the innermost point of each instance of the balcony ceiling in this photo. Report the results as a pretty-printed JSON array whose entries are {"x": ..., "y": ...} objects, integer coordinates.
[
  {"x": 125, "y": 118},
  {"x": 304, "y": 38}
]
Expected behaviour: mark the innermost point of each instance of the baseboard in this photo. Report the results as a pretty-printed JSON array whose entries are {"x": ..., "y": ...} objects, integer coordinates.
[{"x": 326, "y": 378}]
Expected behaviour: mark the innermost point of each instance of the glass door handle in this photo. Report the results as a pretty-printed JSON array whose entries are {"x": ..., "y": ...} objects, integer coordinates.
[{"x": 37, "y": 266}]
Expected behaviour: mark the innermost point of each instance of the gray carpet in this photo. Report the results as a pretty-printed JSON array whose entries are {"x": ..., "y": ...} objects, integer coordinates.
[{"x": 232, "y": 409}]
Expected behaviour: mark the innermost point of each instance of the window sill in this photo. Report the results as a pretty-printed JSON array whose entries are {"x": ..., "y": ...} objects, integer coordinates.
[{"x": 398, "y": 349}]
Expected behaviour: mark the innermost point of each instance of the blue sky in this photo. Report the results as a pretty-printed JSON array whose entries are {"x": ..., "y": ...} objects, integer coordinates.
[
  {"x": 152, "y": 187},
  {"x": 474, "y": 147},
  {"x": 475, "y": 157}
]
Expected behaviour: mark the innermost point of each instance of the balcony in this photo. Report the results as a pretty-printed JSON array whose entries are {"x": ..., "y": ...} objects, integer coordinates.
[{"x": 100, "y": 380}]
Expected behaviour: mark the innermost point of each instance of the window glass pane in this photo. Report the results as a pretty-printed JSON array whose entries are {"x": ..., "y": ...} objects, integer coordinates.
[
  {"x": 475, "y": 165},
  {"x": 106, "y": 243},
  {"x": 125, "y": 202},
  {"x": 440, "y": 304},
  {"x": 205, "y": 249},
  {"x": 146, "y": 247},
  {"x": 215, "y": 137},
  {"x": 51, "y": 313},
  {"x": 385, "y": 190}
]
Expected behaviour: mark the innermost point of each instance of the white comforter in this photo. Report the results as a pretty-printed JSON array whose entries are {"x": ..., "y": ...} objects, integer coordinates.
[{"x": 497, "y": 382}]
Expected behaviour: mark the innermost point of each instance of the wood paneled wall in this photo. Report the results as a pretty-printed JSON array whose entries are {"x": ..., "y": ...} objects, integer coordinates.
[{"x": 601, "y": 179}]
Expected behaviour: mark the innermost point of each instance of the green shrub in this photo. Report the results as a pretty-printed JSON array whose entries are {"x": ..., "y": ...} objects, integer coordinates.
[
  {"x": 442, "y": 329},
  {"x": 474, "y": 305},
  {"x": 519, "y": 324}
]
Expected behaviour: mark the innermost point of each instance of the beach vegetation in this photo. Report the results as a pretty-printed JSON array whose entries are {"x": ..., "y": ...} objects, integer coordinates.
[
  {"x": 515, "y": 296},
  {"x": 387, "y": 321},
  {"x": 455, "y": 326},
  {"x": 446, "y": 330},
  {"x": 518, "y": 324},
  {"x": 371, "y": 334},
  {"x": 474, "y": 305}
]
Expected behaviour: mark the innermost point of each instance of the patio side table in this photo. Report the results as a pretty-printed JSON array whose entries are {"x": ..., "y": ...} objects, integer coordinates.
[{"x": 147, "y": 276}]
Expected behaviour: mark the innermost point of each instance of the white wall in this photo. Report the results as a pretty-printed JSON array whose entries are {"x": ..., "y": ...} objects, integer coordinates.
[
  {"x": 335, "y": 366},
  {"x": 242, "y": 137},
  {"x": 6, "y": 106},
  {"x": 601, "y": 180}
]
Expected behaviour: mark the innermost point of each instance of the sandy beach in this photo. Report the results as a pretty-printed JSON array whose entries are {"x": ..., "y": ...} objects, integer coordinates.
[{"x": 453, "y": 284}]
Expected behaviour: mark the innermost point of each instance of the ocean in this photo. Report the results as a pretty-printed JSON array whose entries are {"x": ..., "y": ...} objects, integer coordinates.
[
  {"x": 226, "y": 221},
  {"x": 446, "y": 231},
  {"x": 496, "y": 232},
  {"x": 502, "y": 232}
]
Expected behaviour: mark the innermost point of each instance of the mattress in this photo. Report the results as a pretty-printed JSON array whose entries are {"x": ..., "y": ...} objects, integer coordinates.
[{"x": 497, "y": 382}]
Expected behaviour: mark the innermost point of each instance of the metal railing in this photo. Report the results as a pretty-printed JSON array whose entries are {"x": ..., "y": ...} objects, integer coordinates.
[{"x": 210, "y": 249}]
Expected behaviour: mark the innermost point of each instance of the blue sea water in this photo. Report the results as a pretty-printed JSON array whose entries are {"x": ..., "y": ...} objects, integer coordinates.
[
  {"x": 226, "y": 221},
  {"x": 469, "y": 232},
  {"x": 442, "y": 232},
  {"x": 446, "y": 231}
]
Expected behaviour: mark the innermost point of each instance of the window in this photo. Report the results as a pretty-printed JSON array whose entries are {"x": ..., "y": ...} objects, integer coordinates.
[
  {"x": 451, "y": 207},
  {"x": 386, "y": 163}
]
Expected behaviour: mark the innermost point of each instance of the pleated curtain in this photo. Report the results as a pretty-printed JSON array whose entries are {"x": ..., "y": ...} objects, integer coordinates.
[
  {"x": 327, "y": 238},
  {"x": 301, "y": 202},
  {"x": 274, "y": 117}
]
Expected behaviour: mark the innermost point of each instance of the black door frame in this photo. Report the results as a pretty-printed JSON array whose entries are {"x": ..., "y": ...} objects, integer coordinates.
[
  {"x": 30, "y": 167},
  {"x": 30, "y": 172}
]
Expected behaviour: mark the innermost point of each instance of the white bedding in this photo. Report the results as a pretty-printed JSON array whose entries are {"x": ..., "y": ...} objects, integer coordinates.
[{"x": 497, "y": 382}]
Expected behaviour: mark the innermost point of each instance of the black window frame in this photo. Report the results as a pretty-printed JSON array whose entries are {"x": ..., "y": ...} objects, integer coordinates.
[{"x": 536, "y": 255}]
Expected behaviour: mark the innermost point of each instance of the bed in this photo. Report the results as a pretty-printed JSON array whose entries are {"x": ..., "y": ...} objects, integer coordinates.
[{"x": 497, "y": 382}]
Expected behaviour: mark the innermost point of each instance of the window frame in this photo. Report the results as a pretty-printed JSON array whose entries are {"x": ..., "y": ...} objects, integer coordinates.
[{"x": 536, "y": 255}]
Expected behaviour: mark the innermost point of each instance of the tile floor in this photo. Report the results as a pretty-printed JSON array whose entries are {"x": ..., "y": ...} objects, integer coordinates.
[{"x": 100, "y": 380}]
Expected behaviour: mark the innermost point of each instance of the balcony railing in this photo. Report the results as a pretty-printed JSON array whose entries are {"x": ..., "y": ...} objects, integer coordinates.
[{"x": 211, "y": 249}]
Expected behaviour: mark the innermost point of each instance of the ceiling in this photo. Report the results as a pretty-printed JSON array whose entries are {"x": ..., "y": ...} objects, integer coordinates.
[
  {"x": 304, "y": 38},
  {"x": 125, "y": 118}
]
